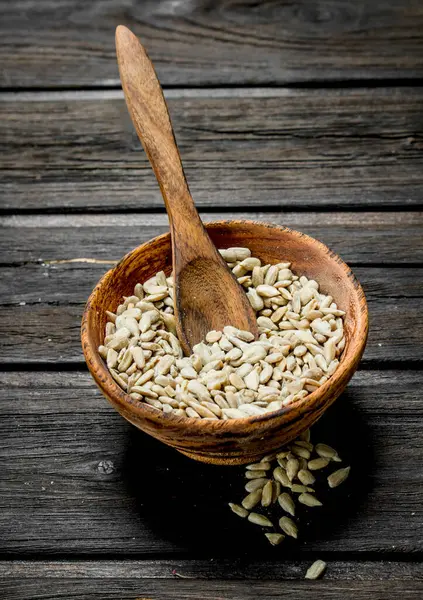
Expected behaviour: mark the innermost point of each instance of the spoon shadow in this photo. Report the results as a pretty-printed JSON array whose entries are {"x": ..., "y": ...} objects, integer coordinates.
[{"x": 185, "y": 502}]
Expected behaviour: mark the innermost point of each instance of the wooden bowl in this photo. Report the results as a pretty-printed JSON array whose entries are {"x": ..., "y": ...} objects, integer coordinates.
[{"x": 235, "y": 441}]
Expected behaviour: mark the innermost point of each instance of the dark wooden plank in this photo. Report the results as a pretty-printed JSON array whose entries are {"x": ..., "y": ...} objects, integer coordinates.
[
  {"x": 42, "y": 308},
  {"x": 364, "y": 238},
  {"x": 202, "y": 42},
  {"x": 152, "y": 589},
  {"x": 281, "y": 148},
  {"x": 56, "y": 496},
  {"x": 227, "y": 569},
  {"x": 211, "y": 579}
]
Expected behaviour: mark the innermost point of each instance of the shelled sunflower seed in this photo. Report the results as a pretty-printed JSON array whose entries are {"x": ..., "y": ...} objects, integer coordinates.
[
  {"x": 230, "y": 374},
  {"x": 316, "y": 570},
  {"x": 280, "y": 484},
  {"x": 275, "y": 538}
]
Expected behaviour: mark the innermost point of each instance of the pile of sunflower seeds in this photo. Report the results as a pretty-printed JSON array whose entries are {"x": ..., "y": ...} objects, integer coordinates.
[
  {"x": 287, "y": 479},
  {"x": 229, "y": 375}
]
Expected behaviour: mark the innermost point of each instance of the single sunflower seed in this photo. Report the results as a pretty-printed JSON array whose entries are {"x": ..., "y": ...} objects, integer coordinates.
[
  {"x": 317, "y": 463},
  {"x": 258, "y": 519},
  {"x": 316, "y": 570},
  {"x": 287, "y": 503},
  {"x": 252, "y": 499},
  {"x": 292, "y": 467},
  {"x": 256, "y": 484},
  {"x": 301, "y": 452},
  {"x": 255, "y": 474},
  {"x": 259, "y": 466},
  {"x": 288, "y": 526},
  {"x": 325, "y": 451},
  {"x": 112, "y": 358},
  {"x": 306, "y": 477},
  {"x": 309, "y": 499},
  {"x": 238, "y": 510},
  {"x": 300, "y": 489},
  {"x": 305, "y": 435},
  {"x": 267, "y": 494},
  {"x": 338, "y": 477},
  {"x": 275, "y": 538}
]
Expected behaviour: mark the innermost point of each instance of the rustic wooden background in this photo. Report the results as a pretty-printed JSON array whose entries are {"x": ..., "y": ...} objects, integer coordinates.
[{"x": 307, "y": 114}]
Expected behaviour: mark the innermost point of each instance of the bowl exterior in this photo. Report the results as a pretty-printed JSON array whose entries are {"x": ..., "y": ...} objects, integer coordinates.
[{"x": 236, "y": 441}]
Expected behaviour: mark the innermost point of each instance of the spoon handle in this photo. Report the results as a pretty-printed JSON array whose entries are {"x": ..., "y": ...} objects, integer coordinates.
[{"x": 150, "y": 116}]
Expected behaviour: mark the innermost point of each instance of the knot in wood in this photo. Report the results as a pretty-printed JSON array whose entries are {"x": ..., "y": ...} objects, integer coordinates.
[{"x": 106, "y": 467}]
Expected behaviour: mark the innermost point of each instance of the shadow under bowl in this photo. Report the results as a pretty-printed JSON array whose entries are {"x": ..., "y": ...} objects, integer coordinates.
[{"x": 233, "y": 441}]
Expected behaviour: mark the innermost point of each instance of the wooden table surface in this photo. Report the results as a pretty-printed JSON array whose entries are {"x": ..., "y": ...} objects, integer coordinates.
[{"x": 307, "y": 114}]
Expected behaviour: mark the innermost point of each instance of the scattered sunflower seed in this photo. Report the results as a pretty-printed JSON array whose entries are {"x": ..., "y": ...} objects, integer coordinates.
[
  {"x": 309, "y": 499},
  {"x": 288, "y": 526},
  {"x": 276, "y": 490},
  {"x": 275, "y": 538},
  {"x": 326, "y": 451},
  {"x": 301, "y": 452},
  {"x": 259, "y": 466},
  {"x": 252, "y": 499},
  {"x": 317, "y": 463},
  {"x": 300, "y": 489},
  {"x": 255, "y": 474},
  {"x": 238, "y": 510},
  {"x": 306, "y": 477},
  {"x": 292, "y": 467},
  {"x": 287, "y": 503},
  {"x": 255, "y": 484},
  {"x": 267, "y": 494},
  {"x": 305, "y": 435},
  {"x": 338, "y": 477},
  {"x": 316, "y": 570},
  {"x": 259, "y": 520}
]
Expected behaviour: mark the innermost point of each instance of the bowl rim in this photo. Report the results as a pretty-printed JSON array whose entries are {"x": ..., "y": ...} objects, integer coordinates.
[{"x": 128, "y": 405}]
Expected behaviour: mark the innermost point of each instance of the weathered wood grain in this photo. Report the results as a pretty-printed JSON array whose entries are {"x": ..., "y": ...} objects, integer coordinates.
[
  {"x": 232, "y": 569},
  {"x": 153, "y": 589},
  {"x": 77, "y": 479},
  {"x": 363, "y": 238},
  {"x": 255, "y": 148},
  {"x": 204, "y": 42},
  {"x": 264, "y": 579}
]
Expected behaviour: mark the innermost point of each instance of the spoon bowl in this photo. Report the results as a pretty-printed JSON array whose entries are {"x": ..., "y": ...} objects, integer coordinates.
[{"x": 234, "y": 441}]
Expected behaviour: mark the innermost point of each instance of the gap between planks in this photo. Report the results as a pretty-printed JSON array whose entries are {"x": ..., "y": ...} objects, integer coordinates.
[
  {"x": 113, "y": 91},
  {"x": 154, "y": 219}
]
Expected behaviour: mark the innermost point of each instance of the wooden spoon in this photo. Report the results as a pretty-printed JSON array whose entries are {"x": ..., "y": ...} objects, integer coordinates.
[{"x": 207, "y": 295}]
